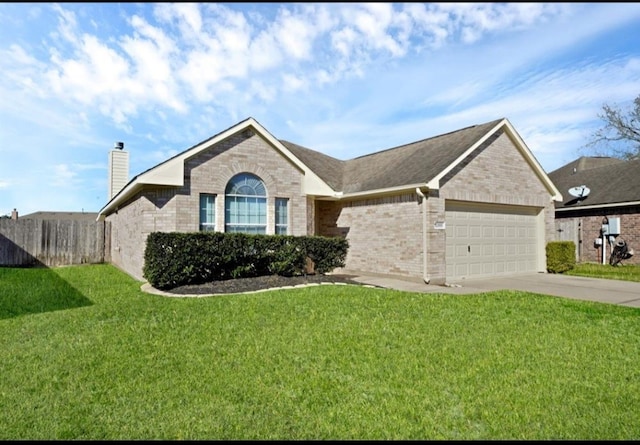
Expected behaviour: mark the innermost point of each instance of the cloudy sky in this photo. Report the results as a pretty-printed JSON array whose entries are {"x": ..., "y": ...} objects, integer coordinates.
[{"x": 344, "y": 79}]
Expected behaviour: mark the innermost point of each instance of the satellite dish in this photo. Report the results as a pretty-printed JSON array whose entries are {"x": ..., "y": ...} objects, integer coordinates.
[{"x": 581, "y": 191}]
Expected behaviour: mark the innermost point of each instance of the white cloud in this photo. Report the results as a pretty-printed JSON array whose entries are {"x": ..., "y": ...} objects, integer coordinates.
[
  {"x": 294, "y": 34},
  {"x": 293, "y": 83},
  {"x": 216, "y": 49},
  {"x": 63, "y": 175},
  {"x": 474, "y": 20},
  {"x": 187, "y": 15},
  {"x": 342, "y": 78},
  {"x": 66, "y": 25}
]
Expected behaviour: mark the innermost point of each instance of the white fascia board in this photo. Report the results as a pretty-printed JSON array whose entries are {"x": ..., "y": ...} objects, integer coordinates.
[
  {"x": 531, "y": 159},
  {"x": 512, "y": 133},
  {"x": 311, "y": 184},
  {"x": 124, "y": 194},
  {"x": 381, "y": 192},
  {"x": 435, "y": 182},
  {"x": 171, "y": 172},
  {"x": 599, "y": 206}
]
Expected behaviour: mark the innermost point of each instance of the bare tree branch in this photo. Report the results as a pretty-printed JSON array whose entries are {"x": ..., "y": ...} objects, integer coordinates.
[{"x": 620, "y": 135}]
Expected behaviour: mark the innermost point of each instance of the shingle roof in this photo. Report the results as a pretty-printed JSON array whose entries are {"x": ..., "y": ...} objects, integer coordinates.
[
  {"x": 409, "y": 165},
  {"x": 329, "y": 169},
  {"x": 417, "y": 162},
  {"x": 610, "y": 181}
]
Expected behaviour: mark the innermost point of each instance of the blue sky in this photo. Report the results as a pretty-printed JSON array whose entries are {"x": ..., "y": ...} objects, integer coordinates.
[{"x": 344, "y": 79}]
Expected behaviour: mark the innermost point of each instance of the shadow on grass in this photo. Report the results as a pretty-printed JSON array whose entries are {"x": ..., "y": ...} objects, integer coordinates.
[
  {"x": 36, "y": 290},
  {"x": 27, "y": 286}
]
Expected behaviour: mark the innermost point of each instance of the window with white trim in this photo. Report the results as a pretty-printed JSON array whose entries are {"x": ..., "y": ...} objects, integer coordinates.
[
  {"x": 207, "y": 212},
  {"x": 282, "y": 216},
  {"x": 245, "y": 205}
]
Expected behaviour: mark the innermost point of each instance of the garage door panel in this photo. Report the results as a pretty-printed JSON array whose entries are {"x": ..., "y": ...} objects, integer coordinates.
[
  {"x": 462, "y": 231},
  {"x": 460, "y": 251},
  {"x": 461, "y": 270},
  {"x": 490, "y": 240},
  {"x": 475, "y": 269}
]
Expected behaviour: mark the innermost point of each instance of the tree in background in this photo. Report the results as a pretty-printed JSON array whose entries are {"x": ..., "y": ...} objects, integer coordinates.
[{"x": 620, "y": 136}]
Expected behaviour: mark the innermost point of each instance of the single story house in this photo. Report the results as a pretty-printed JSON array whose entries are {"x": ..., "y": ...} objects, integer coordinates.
[
  {"x": 606, "y": 192},
  {"x": 470, "y": 203}
]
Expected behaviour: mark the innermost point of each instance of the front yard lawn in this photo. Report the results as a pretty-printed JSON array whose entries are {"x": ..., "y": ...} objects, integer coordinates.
[
  {"x": 627, "y": 272},
  {"x": 84, "y": 354}
]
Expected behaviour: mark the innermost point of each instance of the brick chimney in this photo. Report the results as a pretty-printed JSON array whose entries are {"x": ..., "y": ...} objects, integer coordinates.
[
  {"x": 118, "y": 169},
  {"x": 14, "y": 215}
]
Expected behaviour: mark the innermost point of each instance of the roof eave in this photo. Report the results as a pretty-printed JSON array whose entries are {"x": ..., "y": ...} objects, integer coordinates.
[
  {"x": 171, "y": 172},
  {"x": 600, "y": 206},
  {"x": 554, "y": 192},
  {"x": 382, "y": 192}
]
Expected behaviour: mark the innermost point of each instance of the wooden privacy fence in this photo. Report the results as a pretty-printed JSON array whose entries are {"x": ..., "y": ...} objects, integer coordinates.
[{"x": 53, "y": 242}]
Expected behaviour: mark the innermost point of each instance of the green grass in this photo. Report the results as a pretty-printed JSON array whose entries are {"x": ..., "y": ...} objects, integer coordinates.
[
  {"x": 627, "y": 272},
  {"x": 98, "y": 359}
]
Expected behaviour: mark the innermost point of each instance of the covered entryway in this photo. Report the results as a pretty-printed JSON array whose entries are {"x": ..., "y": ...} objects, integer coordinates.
[{"x": 486, "y": 240}]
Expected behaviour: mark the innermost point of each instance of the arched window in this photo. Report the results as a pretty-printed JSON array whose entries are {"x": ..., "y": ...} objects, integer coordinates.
[{"x": 245, "y": 205}]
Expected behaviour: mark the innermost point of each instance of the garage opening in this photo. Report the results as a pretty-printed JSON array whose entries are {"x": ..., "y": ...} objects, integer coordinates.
[{"x": 484, "y": 240}]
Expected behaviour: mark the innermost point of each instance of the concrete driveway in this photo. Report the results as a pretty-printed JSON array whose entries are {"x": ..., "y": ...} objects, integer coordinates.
[{"x": 624, "y": 293}]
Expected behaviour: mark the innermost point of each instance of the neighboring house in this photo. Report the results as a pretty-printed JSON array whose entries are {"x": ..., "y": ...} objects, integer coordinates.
[
  {"x": 612, "y": 198},
  {"x": 71, "y": 216},
  {"x": 470, "y": 203}
]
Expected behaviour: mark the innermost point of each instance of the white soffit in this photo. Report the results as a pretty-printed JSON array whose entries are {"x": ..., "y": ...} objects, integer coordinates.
[{"x": 171, "y": 172}]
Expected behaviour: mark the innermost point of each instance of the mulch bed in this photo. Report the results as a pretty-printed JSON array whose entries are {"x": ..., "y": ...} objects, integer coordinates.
[{"x": 240, "y": 285}]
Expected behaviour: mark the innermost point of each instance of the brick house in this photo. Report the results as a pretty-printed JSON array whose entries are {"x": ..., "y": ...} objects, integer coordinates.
[
  {"x": 613, "y": 199},
  {"x": 470, "y": 203}
]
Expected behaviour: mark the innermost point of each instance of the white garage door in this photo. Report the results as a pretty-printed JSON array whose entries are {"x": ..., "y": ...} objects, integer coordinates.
[{"x": 488, "y": 240}]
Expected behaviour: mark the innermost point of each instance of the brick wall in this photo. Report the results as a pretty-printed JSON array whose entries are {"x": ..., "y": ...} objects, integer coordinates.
[
  {"x": 169, "y": 209},
  {"x": 499, "y": 173},
  {"x": 131, "y": 224},
  {"x": 589, "y": 224},
  {"x": 384, "y": 234},
  {"x": 240, "y": 154},
  {"x": 436, "y": 258}
]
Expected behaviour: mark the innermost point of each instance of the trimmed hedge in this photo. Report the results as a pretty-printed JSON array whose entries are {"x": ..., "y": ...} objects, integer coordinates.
[
  {"x": 177, "y": 259},
  {"x": 561, "y": 256}
]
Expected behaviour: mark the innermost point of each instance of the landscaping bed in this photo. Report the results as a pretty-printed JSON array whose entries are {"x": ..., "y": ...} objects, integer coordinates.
[{"x": 239, "y": 285}]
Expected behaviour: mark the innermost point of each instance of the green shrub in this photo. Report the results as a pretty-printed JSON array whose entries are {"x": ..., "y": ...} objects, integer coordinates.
[
  {"x": 561, "y": 256},
  {"x": 177, "y": 259},
  {"x": 327, "y": 253}
]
